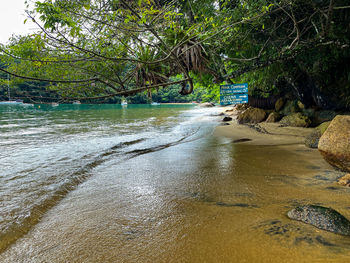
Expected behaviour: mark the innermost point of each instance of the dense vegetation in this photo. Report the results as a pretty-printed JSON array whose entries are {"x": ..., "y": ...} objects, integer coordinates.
[{"x": 105, "y": 49}]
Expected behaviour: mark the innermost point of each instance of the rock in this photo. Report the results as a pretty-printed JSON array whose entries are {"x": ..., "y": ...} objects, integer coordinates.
[
  {"x": 313, "y": 138},
  {"x": 310, "y": 112},
  {"x": 227, "y": 118},
  {"x": 206, "y": 105},
  {"x": 251, "y": 115},
  {"x": 323, "y": 127},
  {"x": 322, "y": 218},
  {"x": 296, "y": 120},
  {"x": 300, "y": 105},
  {"x": 334, "y": 144},
  {"x": 290, "y": 107},
  {"x": 279, "y": 104},
  {"x": 241, "y": 107},
  {"x": 345, "y": 180},
  {"x": 273, "y": 117},
  {"x": 322, "y": 116}
]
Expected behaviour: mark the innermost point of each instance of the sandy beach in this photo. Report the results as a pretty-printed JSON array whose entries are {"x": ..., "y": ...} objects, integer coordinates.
[{"x": 262, "y": 133}]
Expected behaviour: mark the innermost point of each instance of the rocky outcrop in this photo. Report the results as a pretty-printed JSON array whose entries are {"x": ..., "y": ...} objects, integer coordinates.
[
  {"x": 273, "y": 117},
  {"x": 251, "y": 115},
  {"x": 321, "y": 217},
  {"x": 334, "y": 144},
  {"x": 296, "y": 120}
]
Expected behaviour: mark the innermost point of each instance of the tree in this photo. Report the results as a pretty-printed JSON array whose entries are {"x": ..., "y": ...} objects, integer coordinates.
[{"x": 104, "y": 48}]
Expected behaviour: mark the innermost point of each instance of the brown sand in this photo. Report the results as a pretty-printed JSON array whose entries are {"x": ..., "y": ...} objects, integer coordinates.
[{"x": 269, "y": 134}]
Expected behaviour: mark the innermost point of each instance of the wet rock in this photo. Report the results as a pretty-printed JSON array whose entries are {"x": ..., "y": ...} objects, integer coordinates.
[
  {"x": 296, "y": 120},
  {"x": 345, "y": 180},
  {"x": 273, "y": 117},
  {"x": 322, "y": 218},
  {"x": 334, "y": 144},
  {"x": 312, "y": 139},
  {"x": 227, "y": 118},
  {"x": 242, "y": 140},
  {"x": 251, "y": 115},
  {"x": 279, "y": 104}
]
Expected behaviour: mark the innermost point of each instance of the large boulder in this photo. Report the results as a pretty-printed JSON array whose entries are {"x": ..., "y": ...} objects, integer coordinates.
[
  {"x": 296, "y": 120},
  {"x": 251, "y": 115},
  {"x": 334, "y": 144}
]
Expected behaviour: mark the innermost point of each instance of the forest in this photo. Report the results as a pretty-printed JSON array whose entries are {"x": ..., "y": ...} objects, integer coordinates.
[{"x": 181, "y": 51}]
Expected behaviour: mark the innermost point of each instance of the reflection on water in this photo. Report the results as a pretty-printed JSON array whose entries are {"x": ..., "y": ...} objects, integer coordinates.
[{"x": 202, "y": 199}]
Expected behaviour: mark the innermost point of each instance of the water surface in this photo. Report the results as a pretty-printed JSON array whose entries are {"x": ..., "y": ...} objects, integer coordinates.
[{"x": 90, "y": 183}]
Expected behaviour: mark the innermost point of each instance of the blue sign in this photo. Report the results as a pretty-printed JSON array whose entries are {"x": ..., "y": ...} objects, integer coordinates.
[{"x": 234, "y": 94}]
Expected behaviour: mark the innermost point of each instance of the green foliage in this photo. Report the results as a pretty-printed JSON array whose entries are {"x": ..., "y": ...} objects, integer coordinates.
[{"x": 120, "y": 46}]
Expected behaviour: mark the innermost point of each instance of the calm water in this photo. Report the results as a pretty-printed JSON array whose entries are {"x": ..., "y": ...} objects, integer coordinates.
[{"x": 102, "y": 183}]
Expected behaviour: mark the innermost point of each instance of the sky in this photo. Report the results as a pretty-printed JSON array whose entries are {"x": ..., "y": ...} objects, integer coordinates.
[{"x": 12, "y": 16}]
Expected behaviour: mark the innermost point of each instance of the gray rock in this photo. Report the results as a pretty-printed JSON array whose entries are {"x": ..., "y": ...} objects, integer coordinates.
[
  {"x": 322, "y": 218},
  {"x": 312, "y": 139}
]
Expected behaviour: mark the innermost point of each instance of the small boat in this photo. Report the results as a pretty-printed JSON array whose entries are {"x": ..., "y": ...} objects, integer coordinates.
[
  {"x": 11, "y": 102},
  {"x": 124, "y": 103},
  {"x": 76, "y": 102},
  {"x": 155, "y": 103}
]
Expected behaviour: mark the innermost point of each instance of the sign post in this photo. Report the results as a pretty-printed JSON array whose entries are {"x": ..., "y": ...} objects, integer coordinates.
[{"x": 234, "y": 94}]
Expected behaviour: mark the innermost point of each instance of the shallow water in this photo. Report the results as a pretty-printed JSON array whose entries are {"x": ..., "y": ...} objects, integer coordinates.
[{"x": 87, "y": 183}]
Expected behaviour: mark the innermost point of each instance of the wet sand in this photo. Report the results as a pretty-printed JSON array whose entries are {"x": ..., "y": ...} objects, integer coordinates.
[{"x": 269, "y": 134}]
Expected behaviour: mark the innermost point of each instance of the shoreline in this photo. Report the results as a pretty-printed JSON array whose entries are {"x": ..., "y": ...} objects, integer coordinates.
[{"x": 262, "y": 133}]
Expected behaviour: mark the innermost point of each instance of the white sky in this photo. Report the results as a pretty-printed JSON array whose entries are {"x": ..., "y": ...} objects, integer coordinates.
[{"x": 12, "y": 16}]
